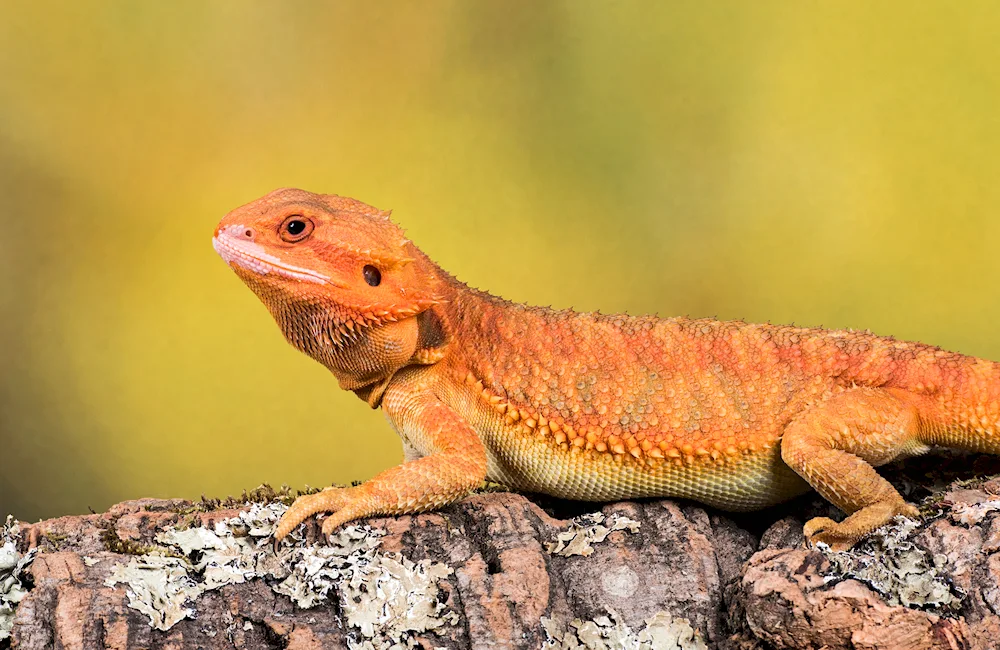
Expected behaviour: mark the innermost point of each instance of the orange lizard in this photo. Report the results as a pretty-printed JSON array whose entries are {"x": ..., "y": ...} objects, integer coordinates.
[{"x": 591, "y": 406}]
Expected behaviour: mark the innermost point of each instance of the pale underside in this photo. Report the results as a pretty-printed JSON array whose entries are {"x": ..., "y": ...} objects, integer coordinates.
[
  {"x": 750, "y": 483},
  {"x": 532, "y": 464}
]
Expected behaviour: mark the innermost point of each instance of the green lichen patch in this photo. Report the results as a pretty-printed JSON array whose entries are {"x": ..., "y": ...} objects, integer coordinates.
[
  {"x": 899, "y": 570},
  {"x": 586, "y": 530},
  {"x": 55, "y": 539},
  {"x": 661, "y": 632},
  {"x": 112, "y": 542},
  {"x": 263, "y": 494},
  {"x": 14, "y": 579}
]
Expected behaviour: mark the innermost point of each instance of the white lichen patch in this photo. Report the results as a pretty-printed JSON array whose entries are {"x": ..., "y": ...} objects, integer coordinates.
[
  {"x": 586, "y": 530},
  {"x": 661, "y": 632},
  {"x": 157, "y": 586},
  {"x": 235, "y": 551},
  {"x": 391, "y": 598},
  {"x": 386, "y": 598},
  {"x": 315, "y": 570},
  {"x": 900, "y": 571},
  {"x": 164, "y": 587},
  {"x": 971, "y": 514},
  {"x": 13, "y": 569}
]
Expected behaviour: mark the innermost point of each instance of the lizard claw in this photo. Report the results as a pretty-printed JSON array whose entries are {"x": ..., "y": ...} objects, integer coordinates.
[{"x": 825, "y": 530}]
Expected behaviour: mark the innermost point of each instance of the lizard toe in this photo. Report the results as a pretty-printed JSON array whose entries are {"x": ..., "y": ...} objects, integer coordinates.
[
  {"x": 329, "y": 500},
  {"x": 334, "y": 521},
  {"x": 842, "y": 536},
  {"x": 827, "y": 531},
  {"x": 354, "y": 509}
]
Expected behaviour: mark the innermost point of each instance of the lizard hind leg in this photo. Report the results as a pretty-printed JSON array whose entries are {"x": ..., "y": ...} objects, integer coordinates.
[{"x": 836, "y": 445}]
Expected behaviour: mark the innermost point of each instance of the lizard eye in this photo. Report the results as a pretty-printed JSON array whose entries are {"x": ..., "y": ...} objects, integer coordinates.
[
  {"x": 372, "y": 275},
  {"x": 295, "y": 228}
]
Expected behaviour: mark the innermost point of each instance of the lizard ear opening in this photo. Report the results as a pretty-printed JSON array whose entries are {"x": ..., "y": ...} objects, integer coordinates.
[
  {"x": 372, "y": 275},
  {"x": 430, "y": 330},
  {"x": 432, "y": 337}
]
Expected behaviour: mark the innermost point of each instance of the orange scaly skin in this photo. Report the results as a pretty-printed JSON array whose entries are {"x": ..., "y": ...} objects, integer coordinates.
[{"x": 589, "y": 406}]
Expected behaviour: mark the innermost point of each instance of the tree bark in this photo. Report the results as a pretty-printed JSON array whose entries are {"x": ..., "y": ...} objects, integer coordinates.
[{"x": 500, "y": 570}]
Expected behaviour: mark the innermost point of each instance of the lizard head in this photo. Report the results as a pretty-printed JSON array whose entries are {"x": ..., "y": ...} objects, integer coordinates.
[{"x": 337, "y": 275}]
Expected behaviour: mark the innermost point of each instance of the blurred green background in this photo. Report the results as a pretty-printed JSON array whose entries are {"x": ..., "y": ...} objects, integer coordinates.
[{"x": 824, "y": 163}]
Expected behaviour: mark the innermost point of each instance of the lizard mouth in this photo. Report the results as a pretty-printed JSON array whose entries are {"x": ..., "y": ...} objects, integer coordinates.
[{"x": 251, "y": 256}]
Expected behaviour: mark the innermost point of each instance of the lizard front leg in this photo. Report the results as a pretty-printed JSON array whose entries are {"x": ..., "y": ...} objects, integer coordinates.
[
  {"x": 455, "y": 466},
  {"x": 835, "y": 446}
]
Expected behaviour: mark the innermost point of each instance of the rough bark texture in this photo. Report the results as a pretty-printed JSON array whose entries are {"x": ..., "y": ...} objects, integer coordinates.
[{"x": 674, "y": 575}]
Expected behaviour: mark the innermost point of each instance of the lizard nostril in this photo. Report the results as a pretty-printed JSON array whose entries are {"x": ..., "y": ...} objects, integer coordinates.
[{"x": 248, "y": 233}]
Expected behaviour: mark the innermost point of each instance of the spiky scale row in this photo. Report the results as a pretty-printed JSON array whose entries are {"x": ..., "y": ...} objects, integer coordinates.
[{"x": 567, "y": 438}]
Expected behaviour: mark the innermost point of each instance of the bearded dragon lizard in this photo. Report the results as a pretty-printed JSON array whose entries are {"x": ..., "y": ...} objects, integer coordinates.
[{"x": 589, "y": 406}]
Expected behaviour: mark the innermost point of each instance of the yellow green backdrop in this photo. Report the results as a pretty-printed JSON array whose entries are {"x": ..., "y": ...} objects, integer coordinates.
[{"x": 830, "y": 164}]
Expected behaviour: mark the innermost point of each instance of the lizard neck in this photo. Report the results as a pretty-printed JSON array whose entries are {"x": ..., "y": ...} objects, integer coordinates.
[
  {"x": 362, "y": 353},
  {"x": 500, "y": 341}
]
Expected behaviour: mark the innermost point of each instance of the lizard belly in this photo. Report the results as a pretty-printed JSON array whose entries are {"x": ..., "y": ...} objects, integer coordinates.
[
  {"x": 750, "y": 482},
  {"x": 532, "y": 463}
]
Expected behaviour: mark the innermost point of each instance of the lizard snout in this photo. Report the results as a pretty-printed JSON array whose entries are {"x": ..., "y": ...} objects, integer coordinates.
[{"x": 236, "y": 231}]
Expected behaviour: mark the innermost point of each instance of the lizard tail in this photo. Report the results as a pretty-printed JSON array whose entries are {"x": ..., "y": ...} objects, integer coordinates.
[{"x": 958, "y": 400}]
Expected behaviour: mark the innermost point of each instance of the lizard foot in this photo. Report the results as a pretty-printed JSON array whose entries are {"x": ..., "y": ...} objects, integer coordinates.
[
  {"x": 825, "y": 530},
  {"x": 842, "y": 536},
  {"x": 332, "y": 499}
]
